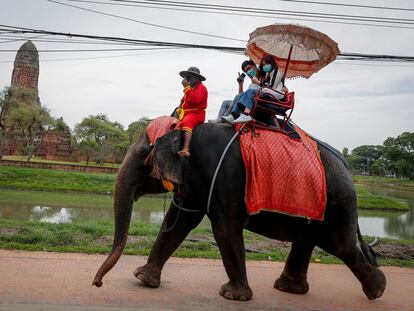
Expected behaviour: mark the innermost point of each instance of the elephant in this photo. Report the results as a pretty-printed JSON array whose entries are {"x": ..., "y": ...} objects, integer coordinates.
[{"x": 338, "y": 234}]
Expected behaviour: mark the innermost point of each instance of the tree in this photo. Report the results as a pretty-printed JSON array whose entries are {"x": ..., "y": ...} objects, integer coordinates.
[
  {"x": 61, "y": 125},
  {"x": 345, "y": 153},
  {"x": 6, "y": 103},
  {"x": 88, "y": 149},
  {"x": 399, "y": 153},
  {"x": 106, "y": 139},
  {"x": 363, "y": 158},
  {"x": 137, "y": 129},
  {"x": 32, "y": 121}
]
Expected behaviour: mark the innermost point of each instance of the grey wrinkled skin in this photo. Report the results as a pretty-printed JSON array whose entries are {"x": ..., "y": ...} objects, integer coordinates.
[{"x": 337, "y": 234}]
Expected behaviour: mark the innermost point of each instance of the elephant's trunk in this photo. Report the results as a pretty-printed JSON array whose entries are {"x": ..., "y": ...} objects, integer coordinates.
[
  {"x": 130, "y": 177},
  {"x": 123, "y": 210}
]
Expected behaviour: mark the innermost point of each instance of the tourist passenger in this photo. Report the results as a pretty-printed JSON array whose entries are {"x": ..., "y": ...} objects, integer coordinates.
[
  {"x": 271, "y": 80},
  {"x": 192, "y": 110},
  {"x": 249, "y": 68}
]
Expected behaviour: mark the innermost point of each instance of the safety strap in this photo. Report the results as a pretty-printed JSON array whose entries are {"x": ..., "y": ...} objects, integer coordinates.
[{"x": 213, "y": 181}]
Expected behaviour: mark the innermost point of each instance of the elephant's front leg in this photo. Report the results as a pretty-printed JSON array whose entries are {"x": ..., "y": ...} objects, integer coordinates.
[
  {"x": 229, "y": 238},
  {"x": 174, "y": 230}
]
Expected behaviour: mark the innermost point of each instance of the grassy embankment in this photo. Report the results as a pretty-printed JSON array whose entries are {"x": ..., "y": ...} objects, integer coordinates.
[
  {"x": 368, "y": 201},
  {"x": 54, "y": 180},
  {"x": 394, "y": 183},
  {"x": 96, "y": 236},
  {"x": 40, "y": 160}
]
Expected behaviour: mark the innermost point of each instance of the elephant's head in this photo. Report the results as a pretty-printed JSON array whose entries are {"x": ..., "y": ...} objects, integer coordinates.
[{"x": 164, "y": 160}]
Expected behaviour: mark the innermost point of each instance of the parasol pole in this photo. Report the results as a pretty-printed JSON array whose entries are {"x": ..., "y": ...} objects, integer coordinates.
[{"x": 288, "y": 60}]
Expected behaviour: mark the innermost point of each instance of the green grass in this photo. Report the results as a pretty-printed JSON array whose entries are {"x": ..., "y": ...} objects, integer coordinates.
[
  {"x": 366, "y": 200},
  {"x": 52, "y": 199},
  {"x": 40, "y": 160},
  {"x": 96, "y": 237},
  {"x": 381, "y": 203},
  {"x": 395, "y": 183},
  {"x": 55, "y": 180}
]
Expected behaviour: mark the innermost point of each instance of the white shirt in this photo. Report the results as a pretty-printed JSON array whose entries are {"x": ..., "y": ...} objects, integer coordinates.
[
  {"x": 277, "y": 85},
  {"x": 253, "y": 86}
]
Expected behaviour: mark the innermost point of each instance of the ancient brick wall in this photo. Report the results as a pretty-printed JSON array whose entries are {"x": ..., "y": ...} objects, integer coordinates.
[
  {"x": 63, "y": 167},
  {"x": 57, "y": 145},
  {"x": 14, "y": 143}
]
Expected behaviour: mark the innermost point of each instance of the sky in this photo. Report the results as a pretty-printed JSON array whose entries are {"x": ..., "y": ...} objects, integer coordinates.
[{"x": 346, "y": 104}]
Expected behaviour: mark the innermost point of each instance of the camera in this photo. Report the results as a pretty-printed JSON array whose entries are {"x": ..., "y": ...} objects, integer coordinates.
[{"x": 241, "y": 77}]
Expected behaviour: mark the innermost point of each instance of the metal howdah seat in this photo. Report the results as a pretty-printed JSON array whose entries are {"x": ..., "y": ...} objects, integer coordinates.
[{"x": 266, "y": 103}]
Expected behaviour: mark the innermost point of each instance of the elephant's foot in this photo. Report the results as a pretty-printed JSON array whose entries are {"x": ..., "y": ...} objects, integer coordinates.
[
  {"x": 149, "y": 276},
  {"x": 291, "y": 285},
  {"x": 236, "y": 291},
  {"x": 374, "y": 287}
]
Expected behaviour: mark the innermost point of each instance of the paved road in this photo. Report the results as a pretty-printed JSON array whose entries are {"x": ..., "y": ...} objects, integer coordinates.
[{"x": 61, "y": 282}]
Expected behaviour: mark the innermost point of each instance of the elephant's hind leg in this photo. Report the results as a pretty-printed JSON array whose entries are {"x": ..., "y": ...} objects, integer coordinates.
[
  {"x": 166, "y": 243},
  {"x": 372, "y": 279},
  {"x": 229, "y": 238},
  {"x": 294, "y": 276}
]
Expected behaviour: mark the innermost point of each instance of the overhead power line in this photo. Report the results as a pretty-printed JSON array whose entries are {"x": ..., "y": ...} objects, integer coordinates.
[
  {"x": 352, "y": 5},
  {"x": 145, "y": 23},
  {"x": 264, "y": 14},
  {"x": 97, "y": 57},
  {"x": 94, "y": 50},
  {"x": 14, "y": 37},
  {"x": 204, "y": 6},
  {"x": 232, "y": 49},
  {"x": 19, "y": 39},
  {"x": 120, "y": 39}
]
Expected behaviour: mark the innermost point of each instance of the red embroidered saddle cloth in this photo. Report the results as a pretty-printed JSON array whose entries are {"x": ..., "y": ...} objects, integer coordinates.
[
  {"x": 283, "y": 174},
  {"x": 156, "y": 129},
  {"x": 161, "y": 126}
]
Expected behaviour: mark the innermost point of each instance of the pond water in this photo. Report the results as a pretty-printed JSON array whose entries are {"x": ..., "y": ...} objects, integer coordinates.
[
  {"x": 146, "y": 209},
  {"x": 68, "y": 208},
  {"x": 71, "y": 208},
  {"x": 395, "y": 225},
  {"x": 58, "y": 214}
]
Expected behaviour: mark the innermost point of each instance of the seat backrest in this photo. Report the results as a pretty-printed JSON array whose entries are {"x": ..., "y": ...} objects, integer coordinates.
[{"x": 268, "y": 103}]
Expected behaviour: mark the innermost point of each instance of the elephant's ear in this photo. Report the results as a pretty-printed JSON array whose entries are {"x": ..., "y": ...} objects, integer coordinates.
[{"x": 166, "y": 164}]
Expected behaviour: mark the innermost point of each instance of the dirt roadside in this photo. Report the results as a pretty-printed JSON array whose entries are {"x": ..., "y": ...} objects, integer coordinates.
[
  {"x": 388, "y": 250},
  {"x": 61, "y": 281}
]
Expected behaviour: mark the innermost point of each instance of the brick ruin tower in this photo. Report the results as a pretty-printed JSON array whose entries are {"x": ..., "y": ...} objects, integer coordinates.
[
  {"x": 56, "y": 144},
  {"x": 26, "y": 69}
]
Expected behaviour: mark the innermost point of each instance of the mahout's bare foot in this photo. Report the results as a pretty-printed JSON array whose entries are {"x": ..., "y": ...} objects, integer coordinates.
[{"x": 184, "y": 153}]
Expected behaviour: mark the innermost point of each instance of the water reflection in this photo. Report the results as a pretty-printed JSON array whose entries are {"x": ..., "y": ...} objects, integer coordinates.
[
  {"x": 402, "y": 226},
  {"x": 68, "y": 215},
  {"x": 63, "y": 216},
  {"x": 385, "y": 224},
  {"x": 374, "y": 223}
]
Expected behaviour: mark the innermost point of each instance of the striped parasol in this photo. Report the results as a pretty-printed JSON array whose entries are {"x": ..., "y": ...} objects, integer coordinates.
[{"x": 300, "y": 51}]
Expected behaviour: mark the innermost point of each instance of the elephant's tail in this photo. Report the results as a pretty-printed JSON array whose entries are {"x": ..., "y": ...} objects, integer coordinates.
[{"x": 367, "y": 250}]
